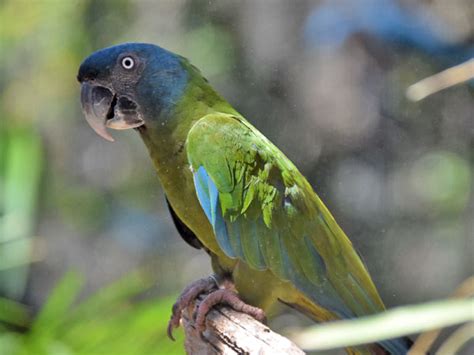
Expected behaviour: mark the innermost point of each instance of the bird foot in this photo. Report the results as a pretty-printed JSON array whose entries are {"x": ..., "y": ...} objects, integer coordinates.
[
  {"x": 189, "y": 294},
  {"x": 224, "y": 295},
  {"x": 229, "y": 298}
]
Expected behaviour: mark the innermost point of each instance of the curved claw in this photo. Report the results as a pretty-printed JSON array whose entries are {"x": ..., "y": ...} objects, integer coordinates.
[
  {"x": 171, "y": 325},
  {"x": 189, "y": 294}
]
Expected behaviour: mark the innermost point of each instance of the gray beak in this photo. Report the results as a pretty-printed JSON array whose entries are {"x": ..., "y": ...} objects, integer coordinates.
[{"x": 103, "y": 109}]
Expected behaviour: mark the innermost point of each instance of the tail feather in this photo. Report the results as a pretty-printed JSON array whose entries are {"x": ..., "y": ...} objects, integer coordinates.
[{"x": 398, "y": 346}]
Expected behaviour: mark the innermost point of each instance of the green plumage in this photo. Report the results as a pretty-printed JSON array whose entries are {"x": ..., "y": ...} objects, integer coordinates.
[
  {"x": 271, "y": 210},
  {"x": 274, "y": 214},
  {"x": 245, "y": 201}
]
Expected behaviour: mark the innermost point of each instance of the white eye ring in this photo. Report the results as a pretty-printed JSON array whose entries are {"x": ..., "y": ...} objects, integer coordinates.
[{"x": 128, "y": 63}]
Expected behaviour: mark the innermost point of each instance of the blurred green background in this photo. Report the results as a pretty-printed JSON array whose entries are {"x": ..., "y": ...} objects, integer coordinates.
[{"x": 324, "y": 80}]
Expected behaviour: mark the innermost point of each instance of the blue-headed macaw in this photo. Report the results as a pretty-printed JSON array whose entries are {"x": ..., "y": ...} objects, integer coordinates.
[{"x": 231, "y": 191}]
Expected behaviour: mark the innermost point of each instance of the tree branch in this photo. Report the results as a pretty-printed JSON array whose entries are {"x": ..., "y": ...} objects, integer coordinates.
[
  {"x": 437, "y": 82},
  {"x": 231, "y": 332}
]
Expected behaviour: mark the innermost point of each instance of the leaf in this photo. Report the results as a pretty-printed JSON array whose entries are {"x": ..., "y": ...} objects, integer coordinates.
[
  {"x": 14, "y": 313},
  {"x": 58, "y": 303}
]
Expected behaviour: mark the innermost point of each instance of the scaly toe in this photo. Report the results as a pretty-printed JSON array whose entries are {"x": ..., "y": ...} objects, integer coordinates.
[
  {"x": 189, "y": 294},
  {"x": 230, "y": 298}
]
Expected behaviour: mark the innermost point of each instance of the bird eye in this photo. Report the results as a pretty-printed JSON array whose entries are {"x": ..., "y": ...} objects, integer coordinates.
[{"x": 128, "y": 63}]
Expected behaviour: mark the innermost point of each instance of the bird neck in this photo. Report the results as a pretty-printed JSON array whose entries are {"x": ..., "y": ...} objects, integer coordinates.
[
  {"x": 166, "y": 137},
  {"x": 166, "y": 143}
]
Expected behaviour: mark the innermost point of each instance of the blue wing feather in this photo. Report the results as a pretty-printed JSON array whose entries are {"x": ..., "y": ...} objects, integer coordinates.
[
  {"x": 201, "y": 186},
  {"x": 285, "y": 246},
  {"x": 249, "y": 239},
  {"x": 208, "y": 197}
]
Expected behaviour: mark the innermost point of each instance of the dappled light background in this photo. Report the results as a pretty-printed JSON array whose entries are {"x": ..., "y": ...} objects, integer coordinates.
[{"x": 324, "y": 80}]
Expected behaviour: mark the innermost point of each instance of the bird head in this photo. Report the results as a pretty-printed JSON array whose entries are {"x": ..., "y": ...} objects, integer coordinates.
[{"x": 130, "y": 85}]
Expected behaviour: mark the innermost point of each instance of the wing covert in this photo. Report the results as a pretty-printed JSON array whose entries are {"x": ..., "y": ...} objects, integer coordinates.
[{"x": 264, "y": 212}]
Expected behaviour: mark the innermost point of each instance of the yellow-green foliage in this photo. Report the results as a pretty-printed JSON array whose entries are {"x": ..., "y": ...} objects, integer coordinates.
[{"x": 109, "y": 322}]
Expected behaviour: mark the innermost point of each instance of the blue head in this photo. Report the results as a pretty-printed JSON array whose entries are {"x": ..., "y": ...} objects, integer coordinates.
[{"x": 131, "y": 84}]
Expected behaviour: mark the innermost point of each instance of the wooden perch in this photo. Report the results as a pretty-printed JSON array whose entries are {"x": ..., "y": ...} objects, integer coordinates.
[{"x": 231, "y": 332}]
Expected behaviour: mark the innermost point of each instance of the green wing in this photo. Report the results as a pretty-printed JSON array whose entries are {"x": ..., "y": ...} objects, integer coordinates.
[{"x": 265, "y": 213}]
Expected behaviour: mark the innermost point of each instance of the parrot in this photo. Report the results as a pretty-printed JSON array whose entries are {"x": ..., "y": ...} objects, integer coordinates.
[{"x": 231, "y": 192}]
